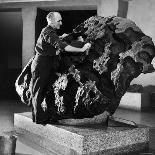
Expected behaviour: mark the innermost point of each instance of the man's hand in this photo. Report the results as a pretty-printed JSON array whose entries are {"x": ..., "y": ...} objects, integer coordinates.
[
  {"x": 86, "y": 47},
  {"x": 63, "y": 36}
]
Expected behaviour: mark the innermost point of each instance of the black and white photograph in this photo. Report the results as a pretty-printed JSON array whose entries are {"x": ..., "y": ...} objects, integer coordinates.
[{"x": 77, "y": 77}]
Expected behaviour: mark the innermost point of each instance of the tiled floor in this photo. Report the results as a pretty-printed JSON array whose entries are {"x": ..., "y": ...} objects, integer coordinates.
[{"x": 9, "y": 107}]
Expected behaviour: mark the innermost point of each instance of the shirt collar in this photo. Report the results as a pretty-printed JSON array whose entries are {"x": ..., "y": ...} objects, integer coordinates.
[{"x": 49, "y": 26}]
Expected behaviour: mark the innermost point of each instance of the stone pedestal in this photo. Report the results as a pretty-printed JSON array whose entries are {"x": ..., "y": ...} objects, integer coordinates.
[
  {"x": 135, "y": 101},
  {"x": 82, "y": 140}
]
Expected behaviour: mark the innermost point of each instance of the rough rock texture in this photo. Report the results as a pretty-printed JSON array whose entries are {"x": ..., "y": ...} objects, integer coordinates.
[
  {"x": 120, "y": 52},
  {"x": 87, "y": 85}
]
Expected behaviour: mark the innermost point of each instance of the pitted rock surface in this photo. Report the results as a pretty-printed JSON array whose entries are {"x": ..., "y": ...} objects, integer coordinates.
[{"x": 87, "y": 85}]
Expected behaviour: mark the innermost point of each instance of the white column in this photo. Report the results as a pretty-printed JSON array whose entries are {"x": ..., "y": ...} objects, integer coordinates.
[
  {"x": 29, "y": 17},
  {"x": 142, "y": 13},
  {"x": 107, "y": 8}
]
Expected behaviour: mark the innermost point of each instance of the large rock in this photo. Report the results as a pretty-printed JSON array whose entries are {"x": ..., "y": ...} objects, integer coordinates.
[
  {"x": 87, "y": 85},
  {"x": 83, "y": 140}
]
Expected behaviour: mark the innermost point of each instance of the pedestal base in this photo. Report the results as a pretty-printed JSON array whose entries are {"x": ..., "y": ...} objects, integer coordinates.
[{"x": 83, "y": 140}]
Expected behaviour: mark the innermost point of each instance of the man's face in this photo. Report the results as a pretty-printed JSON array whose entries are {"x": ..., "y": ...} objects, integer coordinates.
[{"x": 58, "y": 21}]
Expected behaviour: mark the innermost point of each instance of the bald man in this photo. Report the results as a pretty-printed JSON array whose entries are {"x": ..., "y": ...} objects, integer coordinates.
[{"x": 46, "y": 63}]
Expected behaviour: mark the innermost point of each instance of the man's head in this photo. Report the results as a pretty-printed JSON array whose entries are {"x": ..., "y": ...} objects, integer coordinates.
[{"x": 54, "y": 19}]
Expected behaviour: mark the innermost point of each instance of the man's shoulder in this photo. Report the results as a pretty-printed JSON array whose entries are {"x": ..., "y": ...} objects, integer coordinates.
[{"x": 48, "y": 30}]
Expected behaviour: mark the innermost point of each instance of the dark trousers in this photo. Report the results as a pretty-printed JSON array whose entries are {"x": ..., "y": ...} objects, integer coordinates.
[{"x": 43, "y": 71}]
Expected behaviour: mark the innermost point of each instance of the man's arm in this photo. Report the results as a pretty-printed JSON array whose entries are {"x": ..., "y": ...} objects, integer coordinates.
[
  {"x": 56, "y": 42},
  {"x": 70, "y": 48}
]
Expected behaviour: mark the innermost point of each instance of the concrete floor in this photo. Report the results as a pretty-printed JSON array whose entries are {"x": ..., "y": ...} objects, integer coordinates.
[{"x": 9, "y": 107}]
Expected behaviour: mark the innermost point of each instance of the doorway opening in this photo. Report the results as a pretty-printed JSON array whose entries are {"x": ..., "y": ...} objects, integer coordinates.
[{"x": 11, "y": 51}]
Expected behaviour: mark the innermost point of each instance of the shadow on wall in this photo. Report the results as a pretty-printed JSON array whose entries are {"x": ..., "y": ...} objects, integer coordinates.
[
  {"x": 137, "y": 88},
  {"x": 151, "y": 90},
  {"x": 122, "y": 8}
]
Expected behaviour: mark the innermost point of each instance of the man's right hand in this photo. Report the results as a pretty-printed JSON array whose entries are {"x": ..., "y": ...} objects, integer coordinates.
[
  {"x": 63, "y": 36},
  {"x": 86, "y": 47}
]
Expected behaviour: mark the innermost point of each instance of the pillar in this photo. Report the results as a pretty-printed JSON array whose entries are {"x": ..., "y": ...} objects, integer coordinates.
[
  {"x": 107, "y": 8},
  {"x": 28, "y": 42}
]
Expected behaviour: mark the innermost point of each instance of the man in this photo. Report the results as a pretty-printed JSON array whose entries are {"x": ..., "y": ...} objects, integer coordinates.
[{"x": 46, "y": 64}]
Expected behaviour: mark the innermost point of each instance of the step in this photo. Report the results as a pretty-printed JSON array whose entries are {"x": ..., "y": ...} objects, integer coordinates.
[
  {"x": 135, "y": 101},
  {"x": 83, "y": 140}
]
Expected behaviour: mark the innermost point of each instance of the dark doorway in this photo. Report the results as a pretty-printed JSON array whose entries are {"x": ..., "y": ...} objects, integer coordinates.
[
  {"x": 70, "y": 19},
  {"x": 11, "y": 51}
]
